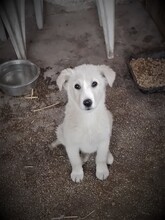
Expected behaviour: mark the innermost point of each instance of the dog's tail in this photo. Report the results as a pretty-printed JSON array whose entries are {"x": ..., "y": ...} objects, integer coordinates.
[
  {"x": 59, "y": 140},
  {"x": 54, "y": 144}
]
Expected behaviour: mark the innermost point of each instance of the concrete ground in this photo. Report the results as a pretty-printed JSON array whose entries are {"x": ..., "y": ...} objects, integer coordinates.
[{"x": 34, "y": 181}]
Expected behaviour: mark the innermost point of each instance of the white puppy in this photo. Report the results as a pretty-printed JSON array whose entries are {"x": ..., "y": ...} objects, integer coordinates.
[{"x": 87, "y": 125}]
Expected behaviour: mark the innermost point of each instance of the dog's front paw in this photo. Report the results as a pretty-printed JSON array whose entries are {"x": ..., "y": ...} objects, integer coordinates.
[
  {"x": 102, "y": 172},
  {"x": 77, "y": 176}
]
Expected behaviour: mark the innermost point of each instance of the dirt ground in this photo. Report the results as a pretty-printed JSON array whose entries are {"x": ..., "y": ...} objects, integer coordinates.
[{"x": 35, "y": 181}]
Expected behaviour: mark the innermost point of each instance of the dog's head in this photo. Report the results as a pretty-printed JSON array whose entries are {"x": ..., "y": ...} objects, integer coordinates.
[{"x": 85, "y": 84}]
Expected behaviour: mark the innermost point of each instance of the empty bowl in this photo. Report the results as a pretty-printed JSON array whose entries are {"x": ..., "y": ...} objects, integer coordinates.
[{"x": 18, "y": 77}]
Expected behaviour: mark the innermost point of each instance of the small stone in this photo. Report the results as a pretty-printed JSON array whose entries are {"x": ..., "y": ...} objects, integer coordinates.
[{"x": 51, "y": 87}]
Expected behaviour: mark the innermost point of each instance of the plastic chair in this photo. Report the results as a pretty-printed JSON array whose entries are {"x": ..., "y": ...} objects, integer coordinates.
[{"x": 12, "y": 13}]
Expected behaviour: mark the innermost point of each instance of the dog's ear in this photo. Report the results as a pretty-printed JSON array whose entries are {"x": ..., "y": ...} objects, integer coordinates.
[
  {"x": 108, "y": 73},
  {"x": 63, "y": 78}
]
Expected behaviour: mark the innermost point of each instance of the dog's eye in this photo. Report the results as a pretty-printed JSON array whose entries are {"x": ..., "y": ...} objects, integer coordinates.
[
  {"x": 77, "y": 86},
  {"x": 94, "y": 84}
]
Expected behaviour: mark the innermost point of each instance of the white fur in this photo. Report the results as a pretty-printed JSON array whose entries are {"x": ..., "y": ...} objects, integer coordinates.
[{"x": 86, "y": 130}]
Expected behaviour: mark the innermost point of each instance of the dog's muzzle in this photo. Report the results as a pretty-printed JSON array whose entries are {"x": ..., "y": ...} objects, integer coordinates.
[{"x": 87, "y": 103}]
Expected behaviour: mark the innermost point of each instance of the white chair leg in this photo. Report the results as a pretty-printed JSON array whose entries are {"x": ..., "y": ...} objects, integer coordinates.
[
  {"x": 12, "y": 20},
  {"x": 3, "y": 36},
  {"x": 109, "y": 8},
  {"x": 21, "y": 14},
  {"x": 38, "y": 8},
  {"x": 106, "y": 9},
  {"x": 99, "y": 12}
]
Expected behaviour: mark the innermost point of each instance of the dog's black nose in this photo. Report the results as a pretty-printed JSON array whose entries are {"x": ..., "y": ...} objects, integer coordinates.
[{"x": 87, "y": 103}]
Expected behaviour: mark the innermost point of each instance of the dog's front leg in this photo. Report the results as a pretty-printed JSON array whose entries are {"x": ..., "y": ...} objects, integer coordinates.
[
  {"x": 76, "y": 162},
  {"x": 102, "y": 171}
]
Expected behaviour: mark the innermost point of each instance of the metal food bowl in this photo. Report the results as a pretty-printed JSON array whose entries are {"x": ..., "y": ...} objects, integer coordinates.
[{"x": 18, "y": 77}]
